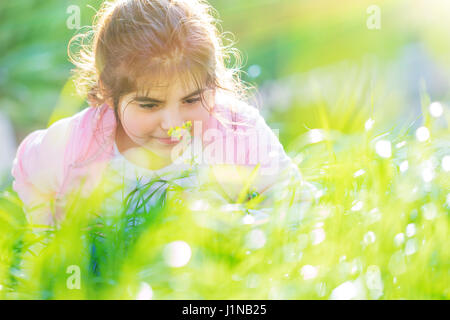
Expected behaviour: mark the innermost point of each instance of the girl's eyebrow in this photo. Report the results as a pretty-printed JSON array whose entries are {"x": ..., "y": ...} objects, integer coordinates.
[{"x": 148, "y": 99}]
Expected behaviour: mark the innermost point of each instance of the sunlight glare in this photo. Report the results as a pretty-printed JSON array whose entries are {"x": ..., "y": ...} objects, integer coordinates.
[
  {"x": 436, "y": 109},
  {"x": 422, "y": 134},
  {"x": 177, "y": 254},
  {"x": 145, "y": 292},
  {"x": 383, "y": 148},
  {"x": 309, "y": 272}
]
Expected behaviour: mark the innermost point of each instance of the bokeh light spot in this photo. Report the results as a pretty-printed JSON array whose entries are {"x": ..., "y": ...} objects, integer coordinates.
[
  {"x": 145, "y": 292},
  {"x": 256, "y": 239},
  {"x": 436, "y": 109},
  {"x": 429, "y": 211},
  {"x": 410, "y": 230},
  {"x": 410, "y": 247},
  {"x": 347, "y": 291},
  {"x": 383, "y": 148},
  {"x": 254, "y": 71},
  {"x": 358, "y": 173},
  {"x": 369, "y": 237},
  {"x": 357, "y": 206},
  {"x": 404, "y": 166},
  {"x": 177, "y": 254},
  {"x": 369, "y": 124},
  {"x": 422, "y": 134},
  {"x": 248, "y": 219},
  {"x": 446, "y": 163},
  {"x": 399, "y": 239},
  {"x": 309, "y": 272},
  {"x": 315, "y": 135},
  {"x": 317, "y": 236}
]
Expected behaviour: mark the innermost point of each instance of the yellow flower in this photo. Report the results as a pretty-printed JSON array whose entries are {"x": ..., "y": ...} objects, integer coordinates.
[
  {"x": 187, "y": 125},
  {"x": 177, "y": 131}
]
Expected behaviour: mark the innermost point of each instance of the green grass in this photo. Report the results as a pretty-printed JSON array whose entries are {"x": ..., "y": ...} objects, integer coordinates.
[{"x": 372, "y": 231}]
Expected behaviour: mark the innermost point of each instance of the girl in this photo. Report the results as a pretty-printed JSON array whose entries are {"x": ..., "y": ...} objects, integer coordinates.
[{"x": 149, "y": 67}]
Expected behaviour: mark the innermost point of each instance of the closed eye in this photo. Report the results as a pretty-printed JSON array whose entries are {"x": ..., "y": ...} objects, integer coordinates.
[
  {"x": 153, "y": 105},
  {"x": 148, "y": 106},
  {"x": 192, "y": 101}
]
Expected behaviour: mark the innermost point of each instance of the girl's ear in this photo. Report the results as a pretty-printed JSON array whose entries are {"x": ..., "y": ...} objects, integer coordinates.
[
  {"x": 110, "y": 103},
  {"x": 102, "y": 90}
]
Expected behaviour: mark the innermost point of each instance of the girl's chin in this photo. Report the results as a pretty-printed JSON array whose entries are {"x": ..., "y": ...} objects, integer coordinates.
[
  {"x": 162, "y": 150},
  {"x": 155, "y": 144}
]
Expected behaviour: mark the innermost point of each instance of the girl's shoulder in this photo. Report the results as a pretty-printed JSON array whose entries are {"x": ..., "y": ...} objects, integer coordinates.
[
  {"x": 70, "y": 137},
  {"x": 45, "y": 157},
  {"x": 92, "y": 136},
  {"x": 235, "y": 114},
  {"x": 38, "y": 169}
]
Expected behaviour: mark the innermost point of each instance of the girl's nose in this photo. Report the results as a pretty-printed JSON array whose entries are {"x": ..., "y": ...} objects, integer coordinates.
[{"x": 171, "y": 118}]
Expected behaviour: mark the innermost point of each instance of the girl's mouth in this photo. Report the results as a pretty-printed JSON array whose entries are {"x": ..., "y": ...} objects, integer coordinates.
[{"x": 168, "y": 141}]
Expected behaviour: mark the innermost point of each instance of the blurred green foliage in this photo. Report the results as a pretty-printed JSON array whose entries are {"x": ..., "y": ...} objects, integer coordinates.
[
  {"x": 374, "y": 229},
  {"x": 283, "y": 37}
]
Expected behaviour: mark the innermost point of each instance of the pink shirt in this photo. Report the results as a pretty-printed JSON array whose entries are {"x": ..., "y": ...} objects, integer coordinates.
[{"x": 50, "y": 163}]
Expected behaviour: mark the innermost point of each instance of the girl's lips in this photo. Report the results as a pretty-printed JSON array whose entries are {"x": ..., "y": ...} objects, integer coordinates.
[{"x": 169, "y": 141}]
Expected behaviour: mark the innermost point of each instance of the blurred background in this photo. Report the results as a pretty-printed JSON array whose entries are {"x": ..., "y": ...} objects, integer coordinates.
[{"x": 347, "y": 60}]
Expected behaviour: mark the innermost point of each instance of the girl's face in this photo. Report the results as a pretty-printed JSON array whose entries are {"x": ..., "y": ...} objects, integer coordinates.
[{"x": 146, "y": 119}]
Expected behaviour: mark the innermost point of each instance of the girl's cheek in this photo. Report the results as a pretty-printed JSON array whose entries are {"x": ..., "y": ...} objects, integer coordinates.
[
  {"x": 139, "y": 123},
  {"x": 199, "y": 113}
]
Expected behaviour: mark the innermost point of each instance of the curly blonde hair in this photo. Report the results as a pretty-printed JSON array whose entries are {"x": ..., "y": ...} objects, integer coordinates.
[{"x": 134, "y": 39}]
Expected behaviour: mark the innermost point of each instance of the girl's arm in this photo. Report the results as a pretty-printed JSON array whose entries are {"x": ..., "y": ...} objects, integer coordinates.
[
  {"x": 267, "y": 166},
  {"x": 38, "y": 171},
  {"x": 279, "y": 178}
]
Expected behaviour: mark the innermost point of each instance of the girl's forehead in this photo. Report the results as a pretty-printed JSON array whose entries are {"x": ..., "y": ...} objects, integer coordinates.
[{"x": 163, "y": 86}]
